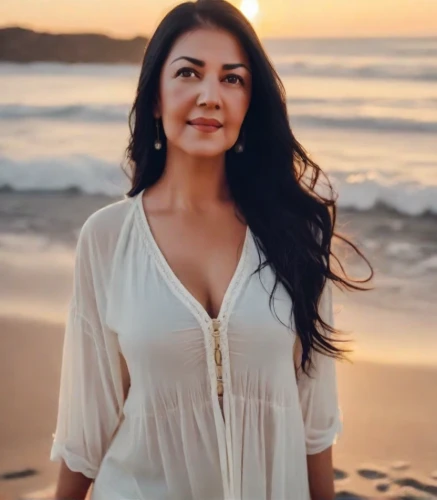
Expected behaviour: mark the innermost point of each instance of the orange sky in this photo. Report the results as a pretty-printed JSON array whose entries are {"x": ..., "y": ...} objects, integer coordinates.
[{"x": 299, "y": 18}]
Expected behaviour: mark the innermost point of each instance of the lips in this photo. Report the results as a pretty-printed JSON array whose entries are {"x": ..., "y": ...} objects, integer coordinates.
[{"x": 206, "y": 122}]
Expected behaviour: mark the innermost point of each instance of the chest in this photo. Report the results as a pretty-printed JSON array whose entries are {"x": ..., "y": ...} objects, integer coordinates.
[
  {"x": 203, "y": 256},
  {"x": 164, "y": 334},
  {"x": 161, "y": 335},
  {"x": 155, "y": 306}
]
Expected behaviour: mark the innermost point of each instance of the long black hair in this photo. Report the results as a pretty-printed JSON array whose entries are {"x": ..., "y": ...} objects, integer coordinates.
[{"x": 273, "y": 183}]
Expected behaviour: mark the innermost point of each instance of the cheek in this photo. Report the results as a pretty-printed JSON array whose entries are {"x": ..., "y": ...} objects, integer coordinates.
[
  {"x": 176, "y": 108},
  {"x": 237, "y": 110},
  {"x": 239, "y": 101},
  {"x": 175, "y": 100}
]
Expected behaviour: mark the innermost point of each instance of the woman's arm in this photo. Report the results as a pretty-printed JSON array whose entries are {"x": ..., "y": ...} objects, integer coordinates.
[
  {"x": 91, "y": 396},
  {"x": 71, "y": 485},
  {"x": 322, "y": 416},
  {"x": 321, "y": 475}
]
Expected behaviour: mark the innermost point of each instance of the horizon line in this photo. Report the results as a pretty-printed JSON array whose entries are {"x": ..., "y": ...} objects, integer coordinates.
[{"x": 283, "y": 37}]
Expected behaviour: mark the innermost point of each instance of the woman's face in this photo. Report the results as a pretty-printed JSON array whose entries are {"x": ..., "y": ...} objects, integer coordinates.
[{"x": 206, "y": 75}]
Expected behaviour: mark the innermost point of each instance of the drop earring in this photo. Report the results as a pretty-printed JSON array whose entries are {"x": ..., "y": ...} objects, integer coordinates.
[
  {"x": 239, "y": 148},
  {"x": 158, "y": 143}
]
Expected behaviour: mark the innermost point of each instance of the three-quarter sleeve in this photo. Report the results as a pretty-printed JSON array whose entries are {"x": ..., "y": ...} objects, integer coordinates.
[
  {"x": 318, "y": 394},
  {"x": 91, "y": 388}
]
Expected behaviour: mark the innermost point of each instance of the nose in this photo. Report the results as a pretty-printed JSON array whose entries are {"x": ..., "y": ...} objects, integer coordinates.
[{"x": 210, "y": 94}]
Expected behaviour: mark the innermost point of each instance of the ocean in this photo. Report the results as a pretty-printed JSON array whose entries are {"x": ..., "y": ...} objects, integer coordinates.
[{"x": 365, "y": 110}]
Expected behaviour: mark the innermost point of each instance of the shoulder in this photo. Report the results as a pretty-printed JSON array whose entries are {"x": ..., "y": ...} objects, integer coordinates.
[
  {"x": 104, "y": 224},
  {"x": 100, "y": 232}
]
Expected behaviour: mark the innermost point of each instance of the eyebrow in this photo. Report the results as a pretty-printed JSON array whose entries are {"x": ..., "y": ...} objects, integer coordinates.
[{"x": 198, "y": 62}]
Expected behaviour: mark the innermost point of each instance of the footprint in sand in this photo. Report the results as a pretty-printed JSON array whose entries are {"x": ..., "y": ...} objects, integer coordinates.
[
  {"x": 18, "y": 474},
  {"x": 429, "y": 489},
  {"x": 372, "y": 473},
  {"x": 340, "y": 474},
  {"x": 383, "y": 486}
]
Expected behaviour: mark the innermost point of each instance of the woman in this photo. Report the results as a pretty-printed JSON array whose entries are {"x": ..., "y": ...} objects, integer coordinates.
[{"x": 198, "y": 359}]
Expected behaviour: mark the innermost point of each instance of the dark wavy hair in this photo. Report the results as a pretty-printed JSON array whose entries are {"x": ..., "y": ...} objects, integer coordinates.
[{"x": 272, "y": 183}]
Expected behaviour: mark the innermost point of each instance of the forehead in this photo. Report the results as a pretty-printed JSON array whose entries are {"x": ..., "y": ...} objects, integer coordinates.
[{"x": 209, "y": 45}]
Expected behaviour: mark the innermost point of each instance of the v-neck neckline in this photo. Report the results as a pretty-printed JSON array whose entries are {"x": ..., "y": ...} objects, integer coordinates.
[{"x": 176, "y": 284}]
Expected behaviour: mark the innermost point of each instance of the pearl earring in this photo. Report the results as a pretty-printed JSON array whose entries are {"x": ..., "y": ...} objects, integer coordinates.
[
  {"x": 158, "y": 143},
  {"x": 239, "y": 148}
]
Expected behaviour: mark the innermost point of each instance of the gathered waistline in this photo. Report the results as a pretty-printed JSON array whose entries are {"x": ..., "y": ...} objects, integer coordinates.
[{"x": 134, "y": 411}]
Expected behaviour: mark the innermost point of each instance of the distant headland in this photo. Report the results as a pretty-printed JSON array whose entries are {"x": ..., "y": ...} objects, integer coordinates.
[{"x": 25, "y": 46}]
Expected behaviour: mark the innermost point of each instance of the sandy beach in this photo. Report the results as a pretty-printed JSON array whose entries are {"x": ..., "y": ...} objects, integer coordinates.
[{"x": 388, "y": 448}]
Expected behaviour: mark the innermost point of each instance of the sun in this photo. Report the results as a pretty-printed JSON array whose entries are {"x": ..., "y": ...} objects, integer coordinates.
[{"x": 249, "y": 8}]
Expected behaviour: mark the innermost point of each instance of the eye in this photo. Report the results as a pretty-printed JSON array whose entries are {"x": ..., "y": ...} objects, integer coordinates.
[
  {"x": 232, "y": 78},
  {"x": 183, "y": 71},
  {"x": 237, "y": 77}
]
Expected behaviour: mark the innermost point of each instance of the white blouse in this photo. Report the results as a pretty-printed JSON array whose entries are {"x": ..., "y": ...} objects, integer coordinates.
[{"x": 131, "y": 321}]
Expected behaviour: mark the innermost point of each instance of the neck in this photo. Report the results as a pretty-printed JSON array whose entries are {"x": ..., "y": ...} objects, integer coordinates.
[{"x": 194, "y": 183}]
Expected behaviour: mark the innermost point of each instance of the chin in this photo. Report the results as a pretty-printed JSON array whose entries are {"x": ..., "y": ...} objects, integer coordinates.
[{"x": 205, "y": 152}]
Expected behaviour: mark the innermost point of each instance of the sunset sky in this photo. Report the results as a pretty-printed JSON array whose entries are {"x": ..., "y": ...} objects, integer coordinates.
[{"x": 294, "y": 18}]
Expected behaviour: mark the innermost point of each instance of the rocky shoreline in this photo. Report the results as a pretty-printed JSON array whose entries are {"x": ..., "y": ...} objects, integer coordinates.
[{"x": 20, "y": 45}]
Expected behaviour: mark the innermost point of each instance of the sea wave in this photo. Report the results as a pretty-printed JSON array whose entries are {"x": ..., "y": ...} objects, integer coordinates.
[
  {"x": 365, "y": 191},
  {"x": 82, "y": 173},
  {"x": 386, "y": 103},
  {"x": 79, "y": 112},
  {"x": 118, "y": 113},
  {"x": 367, "y": 71},
  {"x": 364, "y": 123},
  {"x": 42, "y": 69},
  {"x": 362, "y": 191}
]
